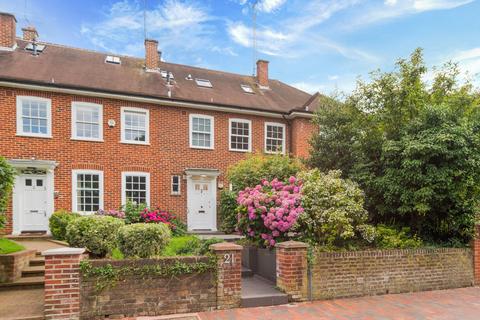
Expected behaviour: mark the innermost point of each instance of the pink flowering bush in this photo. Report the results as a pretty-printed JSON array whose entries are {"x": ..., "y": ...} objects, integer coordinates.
[
  {"x": 111, "y": 213},
  {"x": 267, "y": 212},
  {"x": 162, "y": 216}
]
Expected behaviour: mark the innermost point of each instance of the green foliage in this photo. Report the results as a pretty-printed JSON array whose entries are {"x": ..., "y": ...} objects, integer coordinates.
[
  {"x": 179, "y": 229},
  {"x": 58, "y": 223},
  {"x": 107, "y": 276},
  {"x": 132, "y": 212},
  {"x": 96, "y": 233},
  {"x": 7, "y": 179},
  {"x": 143, "y": 240},
  {"x": 228, "y": 211},
  {"x": 8, "y": 246},
  {"x": 204, "y": 248},
  {"x": 251, "y": 171},
  {"x": 182, "y": 246},
  {"x": 411, "y": 146},
  {"x": 390, "y": 238},
  {"x": 334, "y": 215}
]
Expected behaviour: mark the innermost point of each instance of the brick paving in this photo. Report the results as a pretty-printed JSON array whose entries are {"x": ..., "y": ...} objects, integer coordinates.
[{"x": 461, "y": 304}]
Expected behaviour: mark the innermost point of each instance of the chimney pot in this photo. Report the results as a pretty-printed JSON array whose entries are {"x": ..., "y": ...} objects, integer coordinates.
[
  {"x": 152, "y": 58},
  {"x": 8, "y": 25},
  {"x": 262, "y": 73},
  {"x": 30, "y": 33}
]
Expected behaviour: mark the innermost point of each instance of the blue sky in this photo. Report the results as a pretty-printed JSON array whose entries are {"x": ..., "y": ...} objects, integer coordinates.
[{"x": 317, "y": 45}]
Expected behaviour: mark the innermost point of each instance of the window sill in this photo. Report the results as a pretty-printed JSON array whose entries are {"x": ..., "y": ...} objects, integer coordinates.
[
  {"x": 273, "y": 152},
  {"x": 34, "y": 136},
  {"x": 175, "y": 194},
  {"x": 133, "y": 142},
  {"x": 86, "y": 139},
  {"x": 238, "y": 150},
  {"x": 201, "y": 148}
]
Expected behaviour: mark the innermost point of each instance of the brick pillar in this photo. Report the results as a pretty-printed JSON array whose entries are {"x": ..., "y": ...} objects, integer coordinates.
[
  {"x": 229, "y": 281},
  {"x": 62, "y": 283},
  {"x": 292, "y": 269},
  {"x": 476, "y": 255}
]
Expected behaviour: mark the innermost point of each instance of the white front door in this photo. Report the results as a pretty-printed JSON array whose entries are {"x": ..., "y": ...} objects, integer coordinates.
[
  {"x": 34, "y": 203},
  {"x": 201, "y": 203}
]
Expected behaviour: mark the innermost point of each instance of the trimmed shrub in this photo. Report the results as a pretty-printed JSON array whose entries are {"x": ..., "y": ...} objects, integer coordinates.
[
  {"x": 96, "y": 233},
  {"x": 59, "y": 221},
  {"x": 143, "y": 240},
  {"x": 334, "y": 216},
  {"x": 133, "y": 212},
  {"x": 256, "y": 168},
  {"x": 228, "y": 211}
]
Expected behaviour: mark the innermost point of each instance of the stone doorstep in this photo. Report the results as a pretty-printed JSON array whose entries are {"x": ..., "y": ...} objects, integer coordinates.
[
  {"x": 24, "y": 283},
  {"x": 259, "y": 292}
]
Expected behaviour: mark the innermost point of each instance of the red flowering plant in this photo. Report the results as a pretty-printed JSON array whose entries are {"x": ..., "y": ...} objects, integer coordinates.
[
  {"x": 163, "y": 216},
  {"x": 267, "y": 212}
]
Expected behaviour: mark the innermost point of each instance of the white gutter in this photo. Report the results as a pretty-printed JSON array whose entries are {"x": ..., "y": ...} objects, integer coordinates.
[{"x": 165, "y": 102}]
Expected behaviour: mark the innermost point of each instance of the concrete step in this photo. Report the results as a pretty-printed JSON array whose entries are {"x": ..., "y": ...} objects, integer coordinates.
[
  {"x": 246, "y": 272},
  {"x": 24, "y": 283},
  {"x": 259, "y": 292},
  {"x": 37, "y": 261},
  {"x": 36, "y": 271}
]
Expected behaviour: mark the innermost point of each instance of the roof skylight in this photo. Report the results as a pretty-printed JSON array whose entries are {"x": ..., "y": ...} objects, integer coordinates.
[
  {"x": 40, "y": 47},
  {"x": 247, "y": 88},
  {"x": 164, "y": 74},
  {"x": 203, "y": 83},
  {"x": 113, "y": 60}
]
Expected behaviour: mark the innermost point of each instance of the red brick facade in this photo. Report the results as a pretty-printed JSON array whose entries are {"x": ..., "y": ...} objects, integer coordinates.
[
  {"x": 292, "y": 269},
  {"x": 167, "y": 154},
  {"x": 302, "y": 129}
]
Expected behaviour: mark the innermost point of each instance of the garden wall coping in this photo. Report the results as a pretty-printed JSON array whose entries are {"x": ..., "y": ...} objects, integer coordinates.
[
  {"x": 291, "y": 245},
  {"x": 63, "y": 251},
  {"x": 225, "y": 246}
]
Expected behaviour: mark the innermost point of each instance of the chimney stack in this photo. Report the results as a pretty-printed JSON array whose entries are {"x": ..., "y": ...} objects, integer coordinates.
[
  {"x": 262, "y": 73},
  {"x": 30, "y": 33},
  {"x": 8, "y": 25},
  {"x": 152, "y": 58}
]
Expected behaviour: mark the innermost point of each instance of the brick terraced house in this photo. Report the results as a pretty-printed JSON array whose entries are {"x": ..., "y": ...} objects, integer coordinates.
[{"x": 88, "y": 130}]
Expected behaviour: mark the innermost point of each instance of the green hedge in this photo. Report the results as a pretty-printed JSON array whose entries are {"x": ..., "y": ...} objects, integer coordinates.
[
  {"x": 143, "y": 240},
  {"x": 96, "y": 233},
  {"x": 58, "y": 223}
]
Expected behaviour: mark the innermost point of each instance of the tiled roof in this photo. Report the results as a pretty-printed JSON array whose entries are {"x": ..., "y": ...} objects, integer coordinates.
[{"x": 82, "y": 69}]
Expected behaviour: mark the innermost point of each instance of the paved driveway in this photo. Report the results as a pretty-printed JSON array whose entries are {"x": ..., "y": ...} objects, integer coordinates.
[{"x": 461, "y": 304}]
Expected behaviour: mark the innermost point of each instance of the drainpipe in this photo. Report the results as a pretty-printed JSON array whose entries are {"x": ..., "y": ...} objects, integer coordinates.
[{"x": 289, "y": 134}]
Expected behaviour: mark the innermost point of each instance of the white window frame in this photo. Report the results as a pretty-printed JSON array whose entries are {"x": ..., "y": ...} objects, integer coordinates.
[
  {"x": 249, "y": 122},
  {"x": 75, "y": 105},
  {"x": 277, "y": 124},
  {"x": 147, "y": 125},
  {"x": 212, "y": 133},
  {"x": 20, "y": 132},
  {"x": 124, "y": 184},
  {"x": 74, "y": 189},
  {"x": 179, "y": 192}
]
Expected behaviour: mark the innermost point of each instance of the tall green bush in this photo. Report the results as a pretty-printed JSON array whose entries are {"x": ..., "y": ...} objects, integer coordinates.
[
  {"x": 334, "y": 215},
  {"x": 228, "y": 211},
  {"x": 411, "y": 145},
  {"x": 143, "y": 240},
  {"x": 7, "y": 179},
  {"x": 252, "y": 170},
  {"x": 59, "y": 221},
  {"x": 96, "y": 233}
]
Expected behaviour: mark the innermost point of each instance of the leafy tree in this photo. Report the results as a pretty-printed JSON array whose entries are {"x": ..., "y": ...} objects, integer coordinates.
[
  {"x": 7, "y": 178},
  {"x": 410, "y": 144}
]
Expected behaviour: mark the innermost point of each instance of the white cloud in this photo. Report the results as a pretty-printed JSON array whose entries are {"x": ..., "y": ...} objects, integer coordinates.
[
  {"x": 270, "y": 5},
  {"x": 333, "y": 77},
  {"x": 392, "y": 9},
  {"x": 310, "y": 87},
  {"x": 174, "y": 23},
  {"x": 469, "y": 62}
]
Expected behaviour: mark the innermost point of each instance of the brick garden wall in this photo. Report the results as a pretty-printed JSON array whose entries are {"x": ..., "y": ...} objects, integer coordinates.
[
  {"x": 143, "y": 295},
  {"x": 348, "y": 274},
  {"x": 11, "y": 265}
]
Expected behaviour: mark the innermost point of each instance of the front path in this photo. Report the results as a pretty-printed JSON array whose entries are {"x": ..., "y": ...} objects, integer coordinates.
[{"x": 461, "y": 304}]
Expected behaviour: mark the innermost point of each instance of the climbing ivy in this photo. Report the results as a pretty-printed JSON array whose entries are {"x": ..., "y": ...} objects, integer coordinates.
[{"x": 107, "y": 276}]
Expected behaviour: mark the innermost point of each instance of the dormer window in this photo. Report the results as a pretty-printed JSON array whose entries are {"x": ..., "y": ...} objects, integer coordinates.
[
  {"x": 113, "y": 60},
  {"x": 203, "y": 83},
  {"x": 246, "y": 88}
]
